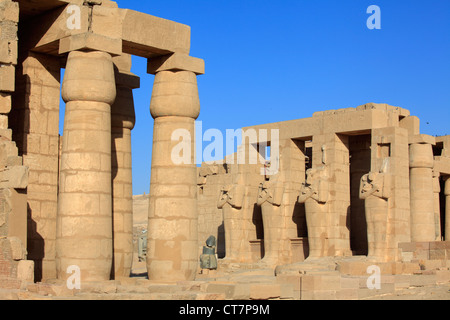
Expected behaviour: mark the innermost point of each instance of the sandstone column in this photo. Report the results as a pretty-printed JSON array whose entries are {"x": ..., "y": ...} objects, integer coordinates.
[
  {"x": 173, "y": 249},
  {"x": 447, "y": 209},
  {"x": 84, "y": 221},
  {"x": 122, "y": 122},
  {"x": 437, "y": 204},
  {"x": 421, "y": 165}
]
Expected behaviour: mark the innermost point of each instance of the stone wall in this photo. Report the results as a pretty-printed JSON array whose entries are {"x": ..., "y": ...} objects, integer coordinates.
[
  {"x": 13, "y": 174},
  {"x": 35, "y": 120}
]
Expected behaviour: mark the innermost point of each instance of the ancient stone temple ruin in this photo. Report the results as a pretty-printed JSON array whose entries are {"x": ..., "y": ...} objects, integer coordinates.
[
  {"x": 337, "y": 193},
  {"x": 350, "y": 182},
  {"x": 73, "y": 193}
]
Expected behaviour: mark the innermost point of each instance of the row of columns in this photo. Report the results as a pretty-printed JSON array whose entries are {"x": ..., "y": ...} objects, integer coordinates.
[
  {"x": 94, "y": 221},
  {"x": 425, "y": 194}
]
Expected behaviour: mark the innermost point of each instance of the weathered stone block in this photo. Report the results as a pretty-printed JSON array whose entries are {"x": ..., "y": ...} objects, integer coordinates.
[
  {"x": 265, "y": 291},
  {"x": 8, "y": 51},
  {"x": 18, "y": 252},
  {"x": 25, "y": 270},
  {"x": 90, "y": 41},
  {"x": 9, "y": 11},
  {"x": 5, "y": 103},
  {"x": 7, "y": 78},
  {"x": 14, "y": 177},
  {"x": 176, "y": 62}
]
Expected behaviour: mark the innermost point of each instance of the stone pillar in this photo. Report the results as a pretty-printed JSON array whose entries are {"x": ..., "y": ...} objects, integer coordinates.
[
  {"x": 122, "y": 122},
  {"x": 421, "y": 165},
  {"x": 437, "y": 204},
  {"x": 172, "y": 249},
  {"x": 392, "y": 143},
  {"x": 84, "y": 221},
  {"x": 332, "y": 151},
  {"x": 447, "y": 209}
]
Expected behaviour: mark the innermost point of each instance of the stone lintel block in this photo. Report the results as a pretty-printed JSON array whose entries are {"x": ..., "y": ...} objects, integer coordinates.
[
  {"x": 422, "y": 139},
  {"x": 90, "y": 42},
  {"x": 176, "y": 62},
  {"x": 107, "y": 21},
  {"x": 159, "y": 36},
  {"x": 9, "y": 11},
  {"x": 7, "y": 78},
  {"x": 445, "y": 140},
  {"x": 442, "y": 165}
]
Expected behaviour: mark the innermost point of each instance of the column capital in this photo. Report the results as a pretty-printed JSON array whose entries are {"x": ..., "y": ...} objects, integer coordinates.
[
  {"x": 89, "y": 77},
  {"x": 176, "y": 62},
  {"x": 175, "y": 94},
  {"x": 421, "y": 155}
]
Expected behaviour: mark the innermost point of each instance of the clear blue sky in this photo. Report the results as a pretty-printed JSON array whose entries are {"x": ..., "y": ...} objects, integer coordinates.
[{"x": 269, "y": 61}]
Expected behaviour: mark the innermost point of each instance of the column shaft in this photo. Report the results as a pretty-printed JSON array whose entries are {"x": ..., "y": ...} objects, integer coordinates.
[
  {"x": 123, "y": 119},
  {"x": 84, "y": 221},
  {"x": 173, "y": 219},
  {"x": 421, "y": 190},
  {"x": 447, "y": 209}
]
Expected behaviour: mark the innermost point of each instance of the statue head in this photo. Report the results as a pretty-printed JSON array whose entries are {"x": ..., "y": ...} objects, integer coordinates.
[{"x": 211, "y": 242}]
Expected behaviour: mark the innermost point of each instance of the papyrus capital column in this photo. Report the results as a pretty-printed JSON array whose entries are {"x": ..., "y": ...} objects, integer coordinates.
[
  {"x": 421, "y": 163},
  {"x": 84, "y": 221},
  {"x": 123, "y": 119},
  {"x": 173, "y": 248}
]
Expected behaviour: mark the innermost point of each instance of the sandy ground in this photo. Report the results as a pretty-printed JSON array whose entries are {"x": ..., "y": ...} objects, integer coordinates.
[{"x": 441, "y": 292}]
